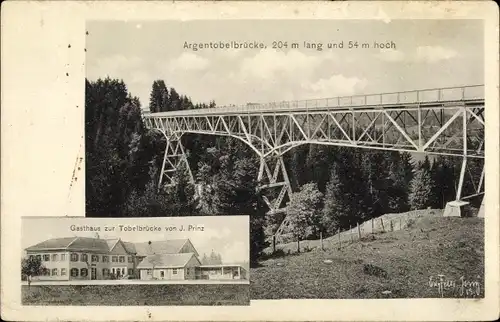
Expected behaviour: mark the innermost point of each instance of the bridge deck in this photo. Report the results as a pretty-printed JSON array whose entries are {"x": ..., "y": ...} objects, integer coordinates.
[
  {"x": 220, "y": 111},
  {"x": 430, "y": 98}
]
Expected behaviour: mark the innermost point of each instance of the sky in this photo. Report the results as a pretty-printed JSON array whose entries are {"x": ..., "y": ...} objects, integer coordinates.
[
  {"x": 427, "y": 54},
  {"x": 227, "y": 235}
]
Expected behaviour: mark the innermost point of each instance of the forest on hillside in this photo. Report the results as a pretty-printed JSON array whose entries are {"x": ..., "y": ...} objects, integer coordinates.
[{"x": 334, "y": 187}]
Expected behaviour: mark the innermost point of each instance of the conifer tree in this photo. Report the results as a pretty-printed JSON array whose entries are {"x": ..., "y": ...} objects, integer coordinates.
[
  {"x": 175, "y": 100},
  {"x": 398, "y": 191},
  {"x": 421, "y": 190},
  {"x": 158, "y": 99},
  {"x": 335, "y": 211}
]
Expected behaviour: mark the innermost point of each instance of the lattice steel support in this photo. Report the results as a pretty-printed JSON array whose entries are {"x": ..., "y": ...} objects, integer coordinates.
[
  {"x": 173, "y": 159},
  {"x": 470, "y": 185},
  {"x": 471, "y": 178},
  {"x": 274, "y": 186}
]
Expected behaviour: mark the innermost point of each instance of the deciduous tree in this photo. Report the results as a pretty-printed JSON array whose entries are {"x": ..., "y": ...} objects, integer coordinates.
[{"x": 303, "y": 211}]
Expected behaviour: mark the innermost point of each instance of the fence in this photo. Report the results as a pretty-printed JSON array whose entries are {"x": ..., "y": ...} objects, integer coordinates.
[
  {"x": 382, "y": 224},
  {"x": 385, "y": 223}
]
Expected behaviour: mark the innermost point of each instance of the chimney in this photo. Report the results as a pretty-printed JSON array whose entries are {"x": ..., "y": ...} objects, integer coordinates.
[{"x": 150, "y": 247}]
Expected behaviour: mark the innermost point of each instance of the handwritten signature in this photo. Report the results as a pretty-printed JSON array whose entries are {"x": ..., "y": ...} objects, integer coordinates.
[{"x": 465, "y": 288}]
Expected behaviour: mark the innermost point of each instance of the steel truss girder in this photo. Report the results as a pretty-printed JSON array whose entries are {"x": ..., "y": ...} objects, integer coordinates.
[
  {"x": 445, "y": 128},
  {"x": 432, "y": 130}
]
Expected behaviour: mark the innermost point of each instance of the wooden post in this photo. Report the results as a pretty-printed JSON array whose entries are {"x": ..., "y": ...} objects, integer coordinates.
[
  {"x": 359, "y": 232},
  {"x": 372, "y": 226},
  {"x": 321, "y": 240},
  {"x": 350, "y": 232},
  {"x": 274, "y": 243},
  {"x": 392, "y": 227},
  {"x": 382, "y": 224},
  {"x": 340, "y": 242}
]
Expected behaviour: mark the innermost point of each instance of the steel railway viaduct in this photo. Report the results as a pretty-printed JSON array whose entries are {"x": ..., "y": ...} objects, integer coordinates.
[{"x": 441, "y": 121}]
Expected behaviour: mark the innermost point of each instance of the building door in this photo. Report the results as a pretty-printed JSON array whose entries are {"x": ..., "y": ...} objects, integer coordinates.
[{"x": 93, "y": 273}]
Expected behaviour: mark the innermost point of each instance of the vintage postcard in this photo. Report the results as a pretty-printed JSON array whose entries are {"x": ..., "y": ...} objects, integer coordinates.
[
  {"x": 255, "y": 161},
  {"x": 115, "y": 261}
]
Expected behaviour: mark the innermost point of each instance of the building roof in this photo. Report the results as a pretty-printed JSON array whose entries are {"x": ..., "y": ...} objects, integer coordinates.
[
  {"x": 105, "y": 245},
  {"x": 166, "y": 261},
  {"x": 172, "y": 246},
  {"x": 129, "y": 247},
  {"x": 72, "y": 243},
  {"x": 54, "y": 243},
  {"x": 85, "y": 243},
  {"x": 111, "y": 242}
]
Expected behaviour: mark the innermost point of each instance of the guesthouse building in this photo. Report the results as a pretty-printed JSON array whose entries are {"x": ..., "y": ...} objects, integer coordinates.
[{"x": 84, "y": 258}]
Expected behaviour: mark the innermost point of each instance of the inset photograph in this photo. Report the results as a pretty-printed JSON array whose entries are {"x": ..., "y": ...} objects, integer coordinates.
[{"x": 155, "y": 261}]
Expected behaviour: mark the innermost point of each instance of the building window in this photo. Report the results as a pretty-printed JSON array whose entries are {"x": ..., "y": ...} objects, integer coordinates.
[
  {"x": 105, "y": 272},
  {"x": 46, "y": 272},
  {"x": 63, "y": 271},
  {"x": 162, "y": 274},
  {"x": 63, "y": 257},
  {"x": 174, "y": 271},
  {"x": 130, "y": 260},
  {"x": 55, "y": 257},
  {"x": 105, "y": 259},
  {"x": 39, "y": 257},
  {"x": 46, "y": 257},
  {"x": 32, "y": 257},
  {"x": 114, "y": 259},
  {"x": 84, "y": 272},
  {"x": 130, "y": 271},
  {"x": 122, "y": 259},
  {"x": 54, "y": 272},
  {"x": 95, "y": 258},
  {"x": 84, "y": 258},
  {"x": 74, "y": 258},
  {"x": 74, "y": 272},
  {"x": 150, "y": 272}
]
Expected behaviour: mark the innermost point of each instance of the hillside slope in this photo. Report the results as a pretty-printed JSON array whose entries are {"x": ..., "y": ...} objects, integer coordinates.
[
  {"x": 380, "y": 224},
  {"x": 396, "y": 264}
]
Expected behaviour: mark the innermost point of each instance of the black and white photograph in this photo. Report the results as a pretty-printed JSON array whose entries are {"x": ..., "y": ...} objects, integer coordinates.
[
  {"x": 356, "y": 147},
  {"x": 250, "y": 161},
  {"x": 163, "y": 261}
]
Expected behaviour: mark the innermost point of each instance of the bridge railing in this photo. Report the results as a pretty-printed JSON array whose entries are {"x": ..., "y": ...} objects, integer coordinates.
[{"x": 436, "y": 95}]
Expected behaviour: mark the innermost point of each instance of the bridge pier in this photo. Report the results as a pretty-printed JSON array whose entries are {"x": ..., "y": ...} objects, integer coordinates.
[
  {"x": 272, "y": 175},
  {"x": 274, "y": 186},
  {"x": 173, "y": 159},
  {"x": 460, "y": 206},
  {"x": 480, "y": 214},
  {"x": 456, "y": 208}
]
